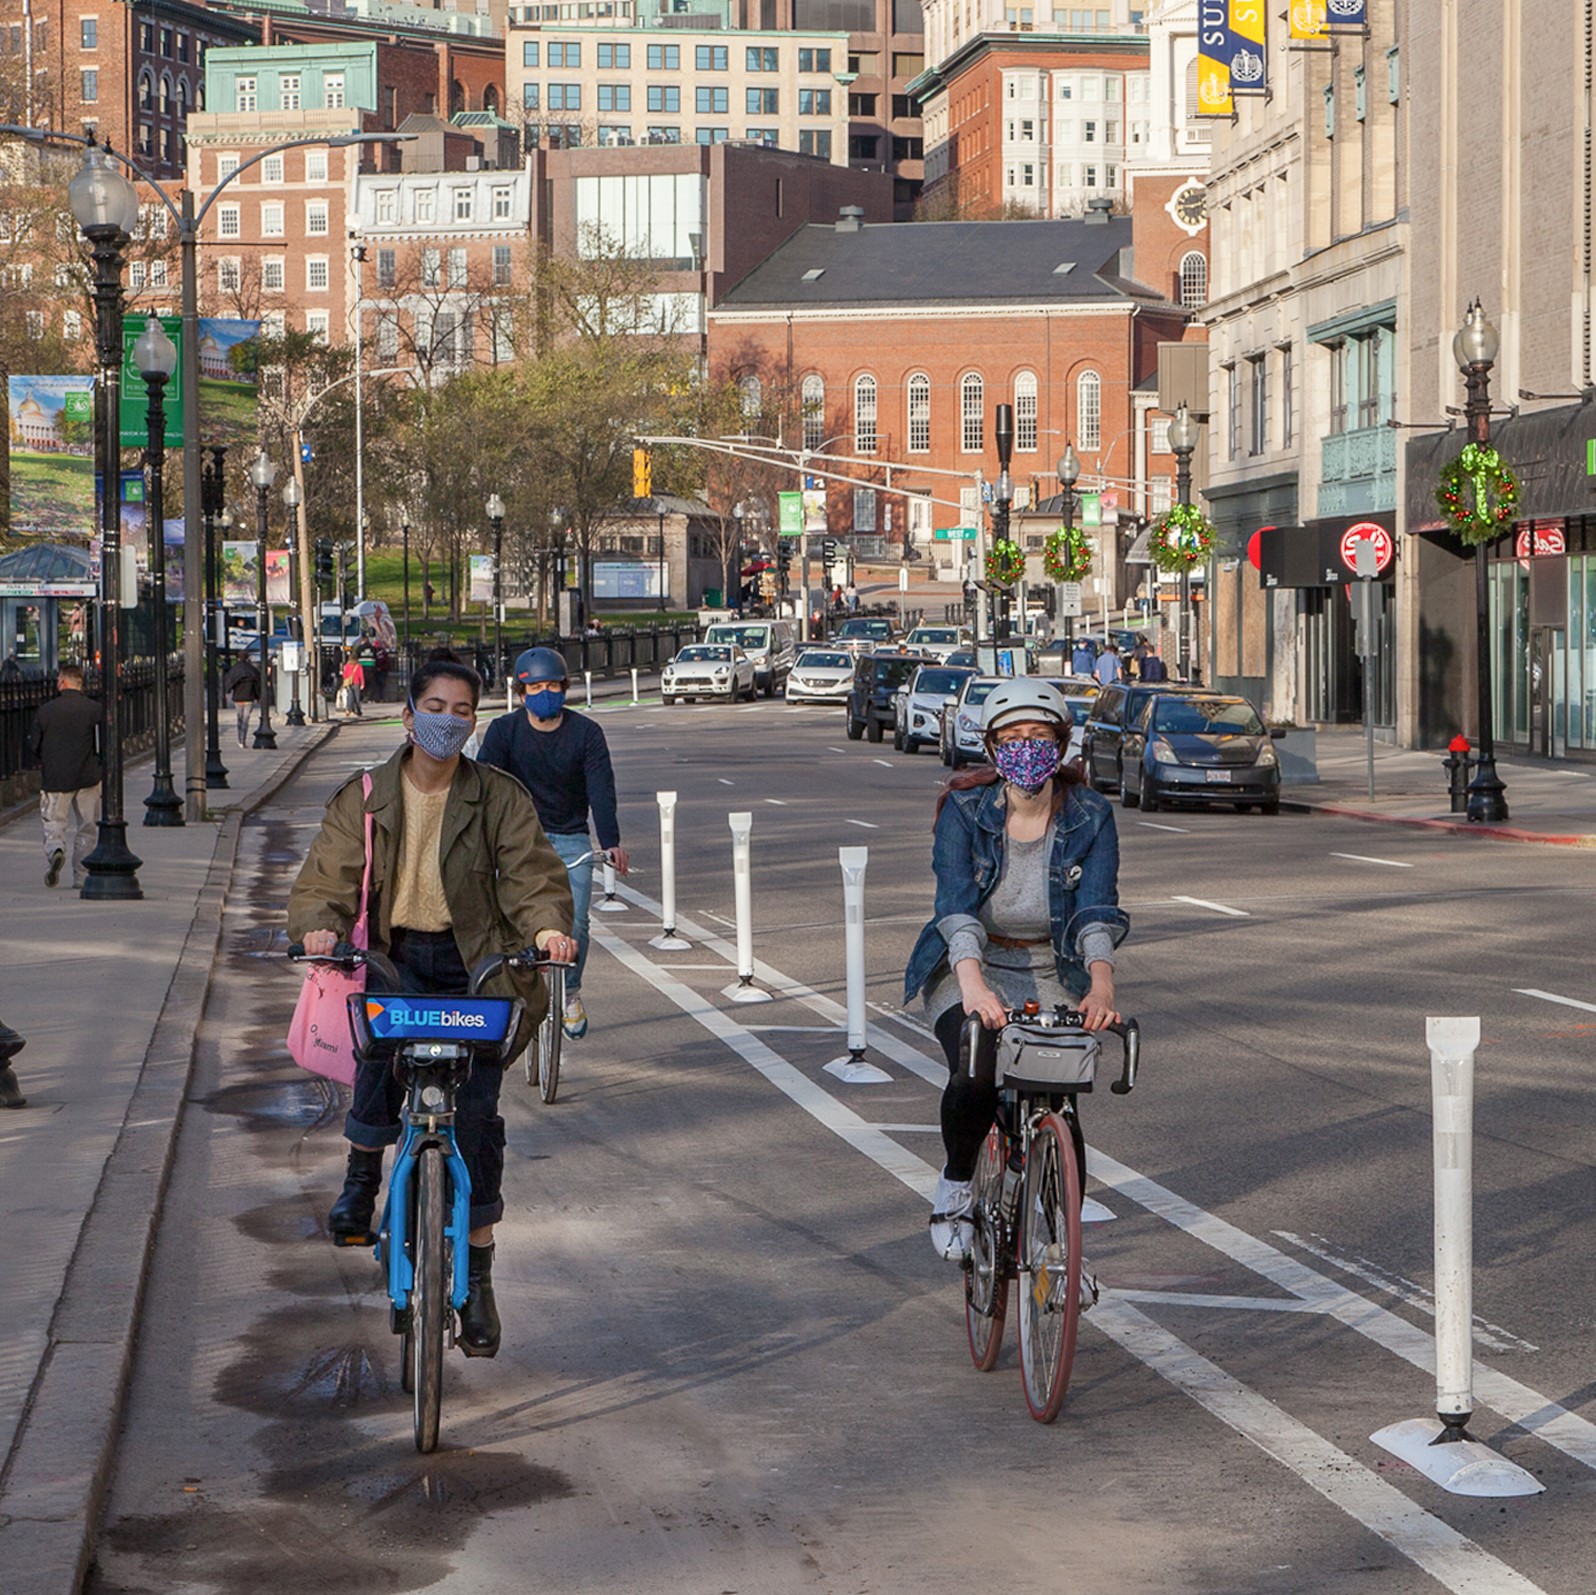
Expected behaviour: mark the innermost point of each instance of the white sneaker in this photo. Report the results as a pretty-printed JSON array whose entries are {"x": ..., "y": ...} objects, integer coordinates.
[
  {"x": 1088, "y": 1291},
  {"x": 574, "y": 1017},
  {"x": 951, "y": 1227}
]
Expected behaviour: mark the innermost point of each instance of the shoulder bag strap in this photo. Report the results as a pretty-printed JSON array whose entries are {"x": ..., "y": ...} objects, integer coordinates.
[{"x": 361, "y": 934}]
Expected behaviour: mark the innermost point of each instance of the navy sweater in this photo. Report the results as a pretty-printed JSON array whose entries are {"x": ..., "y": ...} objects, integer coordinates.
[{"x": 567, "y": 771}]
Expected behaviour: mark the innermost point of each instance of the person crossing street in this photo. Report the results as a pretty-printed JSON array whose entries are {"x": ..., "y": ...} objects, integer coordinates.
[{"x": 562, "y": 759}]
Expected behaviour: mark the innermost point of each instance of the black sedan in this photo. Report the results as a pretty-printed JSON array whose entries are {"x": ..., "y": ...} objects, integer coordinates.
[{"x": 1200, "y": 747}]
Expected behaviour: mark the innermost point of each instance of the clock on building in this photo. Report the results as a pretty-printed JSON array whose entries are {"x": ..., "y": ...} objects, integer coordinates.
[{"x": 1188, "y": 205}]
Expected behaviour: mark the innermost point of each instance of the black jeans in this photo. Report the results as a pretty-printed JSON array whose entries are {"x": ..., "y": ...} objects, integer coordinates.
[
  {"x": 429, "y": 961},
  {"x": 970, "y": 1102}
]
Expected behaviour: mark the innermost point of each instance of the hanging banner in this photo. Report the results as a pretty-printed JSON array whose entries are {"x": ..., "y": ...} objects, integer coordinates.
[
  {"x": 1317, "y": 19},
  {"x": 240, "y": 584},
  {"x": 1249, "y": 54},
  {"x": 1214, "y": 50},
  {"x": 481, "y": 568},
  {"x": 52, "y": 456},
  {"x": 279, "y": 566},
  {"x": 134, "y": 399}
]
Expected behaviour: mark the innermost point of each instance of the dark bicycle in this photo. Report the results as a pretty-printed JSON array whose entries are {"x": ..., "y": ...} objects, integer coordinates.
[
  {"x": 432, "y": 1042},
  {"x": 1027, "y": 1194}
]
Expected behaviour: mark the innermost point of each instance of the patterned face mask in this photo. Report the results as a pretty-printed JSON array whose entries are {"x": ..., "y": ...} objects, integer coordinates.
[
  {"x": 439, "y": 736},
  {"x": 1028, "y": 763}
]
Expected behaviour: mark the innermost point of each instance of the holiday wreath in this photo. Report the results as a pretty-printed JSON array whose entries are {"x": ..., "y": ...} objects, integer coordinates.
[
  {"x": 1181, "y": 537},
  {"x": 1005, "y": 563},
  {"x": 1478, "y": 494},
  {"x": 1066, "y": 556}
]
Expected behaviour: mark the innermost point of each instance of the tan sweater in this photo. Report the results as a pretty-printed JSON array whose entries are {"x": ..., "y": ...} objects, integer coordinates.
[{"x": 418, "y": 900}]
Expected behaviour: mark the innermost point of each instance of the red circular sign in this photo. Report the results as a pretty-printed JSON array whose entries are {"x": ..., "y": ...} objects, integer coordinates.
[
  {"x": 1255, "y": 547},
  {"x": 1546, "y": 540},
  {"x": 1366, "y": 532}
]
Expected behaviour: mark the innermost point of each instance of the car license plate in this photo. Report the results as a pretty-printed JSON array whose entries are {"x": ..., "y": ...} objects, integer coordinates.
[{"x": 1216, "y": 775}]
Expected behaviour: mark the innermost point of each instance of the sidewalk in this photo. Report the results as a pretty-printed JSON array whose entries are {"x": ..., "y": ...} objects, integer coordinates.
[
  {"x": 109, "y": 996},
  {"x": 1549, "y": 801}
]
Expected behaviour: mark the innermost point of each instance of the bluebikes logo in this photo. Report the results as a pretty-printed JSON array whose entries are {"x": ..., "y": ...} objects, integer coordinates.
[{"x": 439, "y": 1019}]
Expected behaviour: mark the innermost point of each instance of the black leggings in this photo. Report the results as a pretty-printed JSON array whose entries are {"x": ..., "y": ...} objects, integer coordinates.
[{"x": 970, "y": 1102}]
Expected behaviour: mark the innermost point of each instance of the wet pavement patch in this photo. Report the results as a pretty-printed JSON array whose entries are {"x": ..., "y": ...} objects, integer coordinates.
[{"x": 302, "y": 1102}]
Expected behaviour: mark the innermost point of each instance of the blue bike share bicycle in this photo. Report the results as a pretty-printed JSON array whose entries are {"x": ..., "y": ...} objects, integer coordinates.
[{"x": 432, "y": 1042}]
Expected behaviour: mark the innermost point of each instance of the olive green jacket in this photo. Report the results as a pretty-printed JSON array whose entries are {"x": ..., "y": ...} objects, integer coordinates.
[{"x": 503, "y": 881}]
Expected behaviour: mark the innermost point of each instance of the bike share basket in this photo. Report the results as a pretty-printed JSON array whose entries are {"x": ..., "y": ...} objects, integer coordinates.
[{"x": 1045, "y": 1058}]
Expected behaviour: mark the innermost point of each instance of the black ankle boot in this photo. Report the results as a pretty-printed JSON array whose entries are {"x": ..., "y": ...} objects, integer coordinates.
[
  {"x": 10, "y": 1092},
  {"x": 479, "y": 1318},
  {"x": 349, "y": 1222}
]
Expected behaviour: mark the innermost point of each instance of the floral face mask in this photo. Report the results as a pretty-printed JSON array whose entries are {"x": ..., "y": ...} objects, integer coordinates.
[{"x": 1028, "y": 763}]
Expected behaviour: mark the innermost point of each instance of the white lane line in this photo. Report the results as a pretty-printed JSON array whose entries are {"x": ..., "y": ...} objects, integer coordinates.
[
  {"x": 715, "y": 968},
  {"x": 1186, "y": 1298},
  {"x": 911, "y": 1129},
  {"x": 863, "y": 825},
  {"x": 1153, "y": 825},
  {"x": 898, "y": 1016},
  {"x": 720, "y": 919},
  {"x": 1492, "y": 1336},
  {"x": 1454, "y": 1561},
  {"x": 885, "y": 763},
  {"x": 1218, "y": 908},
  {"x": 724, "y": 782},
  {"x": 780, "y": 803},
  {"x": 836, "y": 750},
  {"x": 785, "y": 1030},
  {"x": 1551, "y": 996},
  {"x": 1363, "y": 858},
  {"x": 1459, "y": 1564}
]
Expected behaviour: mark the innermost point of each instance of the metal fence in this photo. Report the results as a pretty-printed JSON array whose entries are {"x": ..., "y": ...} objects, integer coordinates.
[
  {"x": 20, "y": 701},
  {"x": 615, "y": 651}
]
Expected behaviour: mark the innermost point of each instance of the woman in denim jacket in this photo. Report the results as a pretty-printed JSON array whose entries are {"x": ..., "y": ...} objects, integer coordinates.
[{"x": 1027, "y": 909}]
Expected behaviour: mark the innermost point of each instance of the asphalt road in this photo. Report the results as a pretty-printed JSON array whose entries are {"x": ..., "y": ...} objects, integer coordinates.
[{"x": 732, "y": 1362}]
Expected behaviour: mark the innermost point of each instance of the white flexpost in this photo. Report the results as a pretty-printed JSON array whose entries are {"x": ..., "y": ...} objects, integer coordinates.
[
  {"x": 667, "y": 940},
  {"x": 1452, "y": 1458},
  {"x": 611, "y": 904},
  {"x": 742, "y": 830},
  {"x": 853, "y": 1067},
  {"x": 634, "y": 684},
  {"x": 587, "y": 682}
]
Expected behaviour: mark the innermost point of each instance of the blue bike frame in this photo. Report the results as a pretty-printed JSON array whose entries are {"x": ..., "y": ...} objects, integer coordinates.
[{"x": 393, "y": 1240}]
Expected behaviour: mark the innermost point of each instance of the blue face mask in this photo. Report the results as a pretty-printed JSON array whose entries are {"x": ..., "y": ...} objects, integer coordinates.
[
  {"x": 545, "y": 705},
  {"x": 439, "y": 736}
]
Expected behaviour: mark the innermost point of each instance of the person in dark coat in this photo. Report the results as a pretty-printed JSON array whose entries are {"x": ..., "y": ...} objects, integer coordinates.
[
  {"x": 242, "y": 684},
  {"x": 66, "y": 742}
]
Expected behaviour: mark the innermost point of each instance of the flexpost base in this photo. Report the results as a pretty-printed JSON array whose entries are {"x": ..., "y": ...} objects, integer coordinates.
[
  {"x": 669, "y": 942},
  {"x": 1461, "y": 1467},
  {"x": 745, "y": 991},
  {"x": 610, "y": 905},
  {"x": 853, "y": 1070}
]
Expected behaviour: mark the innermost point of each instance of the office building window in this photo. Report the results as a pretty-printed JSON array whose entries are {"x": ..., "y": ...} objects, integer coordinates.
[
  {"x": 317, "y": 323},
  {"x": 387, "y": 268},
  {"x": 762, "y": 59},
  {"x": 814, "y": 60},
  {"x": 529, "y": 96},
  {"x": 815, "y": 142},
  {"x": 229, "y": 274},
  {"x": 464, "y": 204},
  {"x": 501, "y": 265},
  {"x": 919, "y": 413},
  {"x": 271, "y": 169},
  {"x": 1258, "y": 382},
  {"x": 1089, "y": 410},
  {"x": 387, "y": 337},
  {"x": 227, "y": 221},
  {"x": 615, "y": 57},
  {"x": 89, "y": 86},
  {"x": 529, "y": 53},
  {"x": 972, "y": 425},
  {"x": 315, "y": 166},
  {"x": 387, "y": 207},
  {"x": 332, "y": 91},
  {"x": 501, "y": 204},
  {"x": 615, "y": 96},
  {"x": 710, "y": 57},
  {"x": 664, "y": 57},
  {"x": 769, "y": 136},
  {"x": 565, "y": 96},
  {"x": 316, "y": 274},
  {"x": 814, "y": 410},
  {"x": 271, "y": 219},
  {"x": 458, "y": 269},
  {"x": 1025, "y": 412},
  {"x": 664, "y": 135},
  {"x": 271, "y": 274},
  {"x": 244, "y": 95},
  {"x": 711, "y": 102},
  {"x": 1233, "y": 412},
  {"x": 565, "y": 54},
  {"x": 89, "y": 33},
  {"x": 764, "y": 102},
  {"x": 431, "y": 268},
  {"x": 814, "y": 102},
  {"x": 426, "y": 205},
  {"x": 288, "y": 91},
  {"x": 1288, "y": 421},
  {"x": 316, "y": 218},
  {"x": 711, "y": 135},
  {"x": 864, "y": 415},
  {"x": 664, "y": 97}
]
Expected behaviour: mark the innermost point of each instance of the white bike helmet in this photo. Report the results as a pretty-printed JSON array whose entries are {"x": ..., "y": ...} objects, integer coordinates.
[{"x": 1026, "y": 698}]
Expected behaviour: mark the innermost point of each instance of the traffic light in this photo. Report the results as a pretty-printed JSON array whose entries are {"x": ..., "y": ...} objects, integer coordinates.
[
  {"x": 828, "y": 552},
  {"x": 324, "y": 560},
  {"x": 642, "y": 474}
]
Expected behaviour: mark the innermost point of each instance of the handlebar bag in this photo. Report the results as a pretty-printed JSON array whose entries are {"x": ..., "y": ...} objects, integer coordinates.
[
  {"x": 1034, "y": 1057},
  {"x": 319, "y": 1038}
]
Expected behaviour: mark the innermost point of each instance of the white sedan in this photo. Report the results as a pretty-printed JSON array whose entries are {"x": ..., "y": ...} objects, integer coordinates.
[
  {"x": 709, "y": 670},
  {"x": 820, "y": 675}
]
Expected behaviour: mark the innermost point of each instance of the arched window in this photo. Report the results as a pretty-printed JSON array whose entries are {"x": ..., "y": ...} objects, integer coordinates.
[
  {"x": 919, "y": 413},
  {"x": 1025, "y": 412},
  {"x": 183, "y": 92},
  {"x": 814, "y": 406},
  {"x": 1194, "y": 278},
  {"x": 146, "y": 90},
  {"x": 1089, "y": 410},
  {"x": 490, "y": 98},
  {"x": 457, "y": 98},
  {"x": 166, "y": 93},
  {"x": 972, "y": 397},
  {"x": 864, "y": 414},
  {"x": 753, "y": 397}
]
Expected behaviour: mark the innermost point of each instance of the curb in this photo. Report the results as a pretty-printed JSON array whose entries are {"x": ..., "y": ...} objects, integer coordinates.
[
  {"x": 54, "y": 1483},
  {"x": 1500, "y": 833}
]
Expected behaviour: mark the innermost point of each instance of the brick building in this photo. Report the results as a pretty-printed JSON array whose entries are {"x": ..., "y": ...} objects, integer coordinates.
[{"x": 898, "y": 342}]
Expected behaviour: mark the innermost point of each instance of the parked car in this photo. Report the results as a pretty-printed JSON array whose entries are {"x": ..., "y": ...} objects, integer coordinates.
[
  {"x": 964, "y": 658},
  {"x": 959, "y": 740},
  {"x": 938, "y": 641},
  {"x": 918, "y": 704},
  {"x": 1080, "y": 693},
  {"x": 709, "y": 670},
  {"x": 876, "y": 679},
  {"x": 1113, "y": 715},
  {"x": 769, "y": 644},
  {"x": 862, "y": 634},
  {"x": 1200, "y": 747},
  {"x": 821, "y": 675}
]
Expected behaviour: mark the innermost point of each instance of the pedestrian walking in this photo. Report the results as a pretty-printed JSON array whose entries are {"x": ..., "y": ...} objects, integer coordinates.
[
  {"x": 66, "y": 742},
  {"x": 1083, "y": 658},
  {"x": 1107, "y": 669},
  {"x": 242, "y": 685},
  {"x": 10, "y": 670},
  {"x": 853, "y": 599},
  {"x": 10, "y": 1045},
  {"x": 1151, "y": 667},
  {"x": 353, "y": 679}
]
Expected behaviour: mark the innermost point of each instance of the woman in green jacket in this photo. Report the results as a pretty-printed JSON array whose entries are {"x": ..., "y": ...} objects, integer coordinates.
[{"x": 460, "y": 870}]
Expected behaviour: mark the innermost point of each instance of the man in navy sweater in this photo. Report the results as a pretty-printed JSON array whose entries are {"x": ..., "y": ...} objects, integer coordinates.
[{"x": 562, "y": 759}]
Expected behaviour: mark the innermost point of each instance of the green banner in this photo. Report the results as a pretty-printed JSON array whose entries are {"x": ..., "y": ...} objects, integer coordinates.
[
  {"x": 135, "y": 400},
  {"x": 790, "y": 514}
]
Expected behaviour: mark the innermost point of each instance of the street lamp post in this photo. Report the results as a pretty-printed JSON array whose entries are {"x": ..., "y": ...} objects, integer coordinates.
[
  {"x": 293, "y": 497},
  {"x": 404, "y": 543},
  {"x": 1475, "y": 348},
  {"x": 105, "y": 206},
  {"x": 262, "y": 473},
  {"x": 495, "y": 509},
  {"x": 155, "y": 356},
  {"x": 1183, "y": 441},
  {"x": 1069, "y": 473},
  {"x": 1002, "y": 499},
  {"x": 661, "y": 552},
  {"x": 213, "y": 505}
]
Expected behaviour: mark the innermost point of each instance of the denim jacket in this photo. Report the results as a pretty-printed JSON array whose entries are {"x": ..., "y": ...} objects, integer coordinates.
[{"x": 967, "y": 857}]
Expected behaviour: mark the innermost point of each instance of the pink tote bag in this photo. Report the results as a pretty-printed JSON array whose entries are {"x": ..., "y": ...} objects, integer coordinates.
[{"x": 319, "y": 1038}]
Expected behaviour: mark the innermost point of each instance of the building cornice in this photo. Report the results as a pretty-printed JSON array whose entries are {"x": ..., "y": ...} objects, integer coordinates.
[
  {"x": 1052, "y": 44},
  {"x": 776, "y": 316}
]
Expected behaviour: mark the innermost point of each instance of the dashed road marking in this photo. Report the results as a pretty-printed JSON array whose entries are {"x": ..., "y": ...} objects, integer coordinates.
[
  {"x": 1551, "y": 996},
  {"x": 1153, "y": 825},
  {"x": 1218, "y": 908},
  {"x": 865, "y": 825},
  {"x": 1363, "y": 858}
]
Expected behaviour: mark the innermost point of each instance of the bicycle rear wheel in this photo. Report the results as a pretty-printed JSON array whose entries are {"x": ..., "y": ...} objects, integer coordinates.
[
  {"x": 428, "y": 1296},
  {"x": 986, "y": 1269},
  {"x": 1050, "y": 1268},
  {"x": 550, "y": 1034}
]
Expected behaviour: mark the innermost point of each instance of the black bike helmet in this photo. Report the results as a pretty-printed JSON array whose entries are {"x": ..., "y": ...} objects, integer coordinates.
[{"x": 541, "y": 664}]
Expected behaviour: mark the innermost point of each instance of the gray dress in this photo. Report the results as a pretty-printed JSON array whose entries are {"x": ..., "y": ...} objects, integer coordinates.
[{"x": 1017, "y": 909}]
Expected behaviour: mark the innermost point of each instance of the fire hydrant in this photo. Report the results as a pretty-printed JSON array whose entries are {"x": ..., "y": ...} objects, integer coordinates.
[{"x": 1458, "y": 766}]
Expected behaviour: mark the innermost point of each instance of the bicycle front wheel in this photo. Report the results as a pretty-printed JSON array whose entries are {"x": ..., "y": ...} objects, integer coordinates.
[
  {"x": 428, "y": 1304},
  {"x": 1050, "y": 1268},
  {"x": 550, "y": 1034},
  {"x": 986, "y": 1269}
]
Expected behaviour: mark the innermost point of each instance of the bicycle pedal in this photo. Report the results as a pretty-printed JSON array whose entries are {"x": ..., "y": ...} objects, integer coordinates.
[{"x": 354, "y": 1240}]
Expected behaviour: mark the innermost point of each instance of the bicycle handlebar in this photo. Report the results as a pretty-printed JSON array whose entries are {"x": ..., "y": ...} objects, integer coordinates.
[
  {"x": 1129, "y": 1032},
  {"x": 348, "y": 957}
]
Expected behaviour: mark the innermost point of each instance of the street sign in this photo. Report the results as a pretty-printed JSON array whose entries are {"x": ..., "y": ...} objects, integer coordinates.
[
  {"x": 1367, "y": 532},
  {"x": 307, "y": 456},
  {"x": 1070, "y": 604},
  {"x": 790, "y": 514},
  {"x": 954, "y": 534}
]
